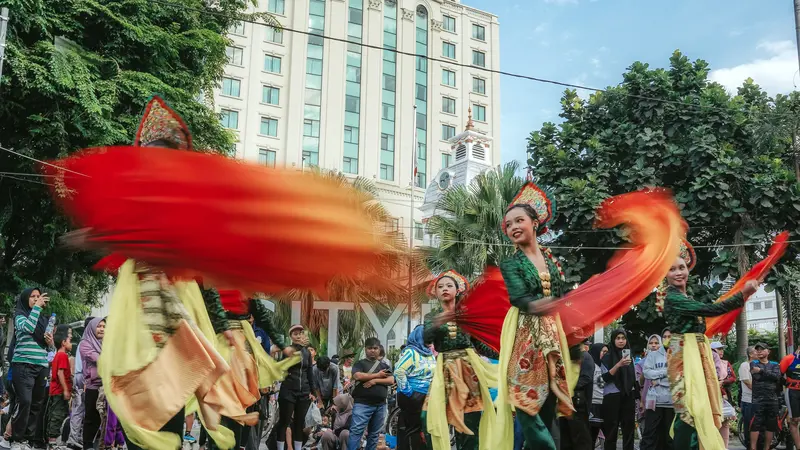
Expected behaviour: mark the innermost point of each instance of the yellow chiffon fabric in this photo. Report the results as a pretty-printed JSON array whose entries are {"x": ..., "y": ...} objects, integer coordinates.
[
  {"x": 697, "y": 399},
  {"x": 437, "y": 424},
  {"x": 504, "y": 426},
  {"x": 145, "y": 387}
]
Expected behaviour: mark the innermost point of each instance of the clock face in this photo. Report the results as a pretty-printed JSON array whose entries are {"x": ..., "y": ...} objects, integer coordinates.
[{"x": 444, "y": 180}]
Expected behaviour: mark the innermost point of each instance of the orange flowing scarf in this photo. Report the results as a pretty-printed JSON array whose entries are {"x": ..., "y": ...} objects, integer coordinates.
[{"x": 722, "y": 324}]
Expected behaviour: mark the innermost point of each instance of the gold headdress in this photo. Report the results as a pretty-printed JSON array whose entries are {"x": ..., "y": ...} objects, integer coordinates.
[
  {"x": 461, "y": 282},
  {"x": 542, "y": 202},
  {"x": 162, "y": 123}
]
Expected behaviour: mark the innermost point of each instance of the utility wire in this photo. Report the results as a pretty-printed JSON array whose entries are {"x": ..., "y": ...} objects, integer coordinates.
[
  {"x": 43, "y": 162},
  {"x": 456, "y": 63},
  {"x": 10, "y": 177}
]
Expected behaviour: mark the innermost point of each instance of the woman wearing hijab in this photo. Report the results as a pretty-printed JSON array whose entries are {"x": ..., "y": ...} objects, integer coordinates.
[
  {"x": 619, "y": 394},
  {"x": 413, "y": 374},
  {"x": 29, "y": 363},
  {"x": 90, "y": 347},
  {"x": 343, "y": 403},
  {"x": 296, "y": 393},
  {"x": 597, "y": 351},
  {"x": 659, "y": 411}
]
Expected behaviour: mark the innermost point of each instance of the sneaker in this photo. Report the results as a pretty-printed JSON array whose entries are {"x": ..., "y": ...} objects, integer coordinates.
[{"x": 189, "y": 438}]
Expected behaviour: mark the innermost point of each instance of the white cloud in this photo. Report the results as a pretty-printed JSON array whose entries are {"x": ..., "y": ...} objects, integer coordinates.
[
  {"x": 540, "y": 28},
  {"x": 562, "y": 2},
  {"x": 545, "y": 43},
  {"x": 774, "y": 72},
  {"x": 595, "y": 62}
]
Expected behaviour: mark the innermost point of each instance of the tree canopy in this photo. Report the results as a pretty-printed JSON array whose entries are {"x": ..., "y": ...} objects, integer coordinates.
[
  {"x": 729, "y": 160},
  {"x": 78, "y": 74}
]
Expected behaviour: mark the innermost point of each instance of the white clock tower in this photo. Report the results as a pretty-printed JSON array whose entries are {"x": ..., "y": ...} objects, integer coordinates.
[{"x": 473, "y": 156}]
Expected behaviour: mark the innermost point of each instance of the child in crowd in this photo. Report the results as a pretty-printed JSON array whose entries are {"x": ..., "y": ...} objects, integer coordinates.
[{"x": 60, "y": 384}]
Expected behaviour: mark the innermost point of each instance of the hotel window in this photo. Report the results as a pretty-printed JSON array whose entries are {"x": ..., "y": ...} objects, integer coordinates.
[
  {"x": 270, "y": 95},
  {"x": 419, "y": 231},
  {"x": 448, "y": 105},
  {"x": 235, "y": 55},
  {"x": 231, "y": 87},
  {"x": 449, "y": 23},
  {"x": 478, "y": 58},
  {"x": 269, "y": 127},
  {"x": 448, "y": 77},
  {"x": 266, "y": 157},
  {"x": 237, "y": 28},
  {"x": 479, "y": 85},
  {"x": 447, "y": 159},
  {"x": 449, "y": 50},
  {"x": 276, "y": 6},
  {"x": 274, "y": 35},
  {"x": 272, "y": 64},
  {"x": 480, "y": 113},
  {"x": 448, "y": 132},
  {"x": 229, "y": 119},
  {"x": 478, "y": 32}
]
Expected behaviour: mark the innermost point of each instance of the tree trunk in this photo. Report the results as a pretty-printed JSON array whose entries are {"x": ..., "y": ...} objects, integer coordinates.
[{"x": 741, "y": 322}]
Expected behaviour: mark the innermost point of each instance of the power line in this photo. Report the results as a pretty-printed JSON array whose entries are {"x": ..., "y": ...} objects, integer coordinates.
[
  {"x": 26, "y": 174},
  {"x": 10, "y": 177},
  {"x": 43, "y": 162},
  {"x": 459, "y": 64}
]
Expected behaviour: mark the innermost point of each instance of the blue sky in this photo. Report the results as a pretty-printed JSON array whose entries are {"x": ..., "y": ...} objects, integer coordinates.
[{"x": 591, "y": 42}]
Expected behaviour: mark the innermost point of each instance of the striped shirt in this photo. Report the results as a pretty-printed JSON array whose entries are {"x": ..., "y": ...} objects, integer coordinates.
[{"x": 28, "y": 350}]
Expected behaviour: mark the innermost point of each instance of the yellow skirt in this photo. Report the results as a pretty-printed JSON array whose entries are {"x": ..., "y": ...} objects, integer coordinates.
[{"x": 693, "y": 382}]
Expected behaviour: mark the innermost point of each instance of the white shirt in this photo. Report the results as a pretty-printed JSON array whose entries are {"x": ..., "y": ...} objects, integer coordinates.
[{"x": 744, "y": 375}]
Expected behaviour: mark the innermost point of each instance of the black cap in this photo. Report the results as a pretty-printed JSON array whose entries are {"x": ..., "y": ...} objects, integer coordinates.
[{"x": 761, "y": 346}]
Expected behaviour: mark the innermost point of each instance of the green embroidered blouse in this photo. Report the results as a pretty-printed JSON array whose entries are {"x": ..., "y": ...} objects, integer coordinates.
[
  {"x": 684, "y": 314},
  {"x": 261, "y": 315},
  {"x": 442, "y": 342},
  {"x": 523, "y": 282}
]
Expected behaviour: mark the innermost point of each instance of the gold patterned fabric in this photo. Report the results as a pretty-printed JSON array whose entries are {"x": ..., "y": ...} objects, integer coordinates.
[
  {"x": 536, "y": 355},
  {"x": 676, "y": 370},
  {"x": 462, "y": 389}
]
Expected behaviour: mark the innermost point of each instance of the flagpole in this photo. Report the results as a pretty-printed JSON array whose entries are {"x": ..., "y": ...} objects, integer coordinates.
[{"x": 413, "y": 225}]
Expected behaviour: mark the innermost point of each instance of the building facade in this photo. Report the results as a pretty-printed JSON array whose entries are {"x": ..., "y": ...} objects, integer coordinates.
[{"x": 331, "y": 90}]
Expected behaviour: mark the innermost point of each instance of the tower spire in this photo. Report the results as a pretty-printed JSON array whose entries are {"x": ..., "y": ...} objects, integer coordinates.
[{"x": 470, "y": 124}]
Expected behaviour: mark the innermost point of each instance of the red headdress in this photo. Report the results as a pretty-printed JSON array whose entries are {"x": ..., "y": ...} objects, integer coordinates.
[
  {"x": 540, "y": 200},
  {"x": 162, "y": 123},
  {"x": 461, "y": 282}
]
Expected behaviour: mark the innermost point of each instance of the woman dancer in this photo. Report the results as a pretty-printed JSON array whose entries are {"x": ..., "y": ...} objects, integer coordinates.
[
  {"x": 690, "y": 365},
  {"x": 619, "y": 396},
  {"x": 459, "y": 393},
  {"x": 532, "y": 373}
]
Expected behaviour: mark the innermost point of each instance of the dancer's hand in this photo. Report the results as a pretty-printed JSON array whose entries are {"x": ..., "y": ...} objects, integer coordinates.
[
  {"x": 750, "y": 287},
  {"x": 288, "y": 352},
  {"x": 229, "y": 336}
]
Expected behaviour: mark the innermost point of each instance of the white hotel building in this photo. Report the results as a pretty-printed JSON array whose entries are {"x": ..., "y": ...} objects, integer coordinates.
[{"x": 297, "y": 99}]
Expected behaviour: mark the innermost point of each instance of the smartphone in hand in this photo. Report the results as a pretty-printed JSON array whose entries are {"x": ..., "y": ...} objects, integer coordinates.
[{"x": 626, "y": 353}]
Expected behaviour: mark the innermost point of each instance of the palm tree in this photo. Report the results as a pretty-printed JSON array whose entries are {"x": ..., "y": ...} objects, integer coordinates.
[
  {"x": 386, "y": 286},
  {"x": 468, "y": 222}
]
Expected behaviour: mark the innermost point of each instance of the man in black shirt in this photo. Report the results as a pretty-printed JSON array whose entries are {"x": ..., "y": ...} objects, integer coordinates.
[
  {"x": 372, "y": 379},
  {"x": 766, "y": 379},
  {"x": 575, "y": 432}
]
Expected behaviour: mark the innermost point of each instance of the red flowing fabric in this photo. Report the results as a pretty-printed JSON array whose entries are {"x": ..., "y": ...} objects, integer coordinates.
[
  {"x": 654, "y": 229},
  {"x": 237, "y": 224},
  {"x": 482, "y": 312},
  {"x": 722, "y": 324},
  {"x": 234, "y": 301}
]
